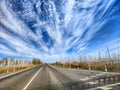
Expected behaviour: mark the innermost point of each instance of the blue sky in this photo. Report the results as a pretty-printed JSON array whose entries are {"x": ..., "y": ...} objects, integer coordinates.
[{"x": 55, "y": 29}]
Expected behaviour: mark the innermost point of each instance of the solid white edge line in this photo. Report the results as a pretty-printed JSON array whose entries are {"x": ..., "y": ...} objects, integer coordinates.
[
  {"x": 14, "y": 73},
  {"x": 32, "y": 79}
]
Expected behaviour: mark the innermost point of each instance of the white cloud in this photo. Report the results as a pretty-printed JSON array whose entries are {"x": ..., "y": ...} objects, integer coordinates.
[
  {"x": 79, "y": 28},
  {"x": 69, "y": 11}
]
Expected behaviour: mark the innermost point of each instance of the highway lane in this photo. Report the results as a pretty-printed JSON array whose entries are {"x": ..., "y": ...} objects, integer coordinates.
[
  {"x": 45, "y": 80},
  {"x": 40, "y": 78},
  {"x": 49, "y": 78},
  {"x": 17, "y": 82},
  {"x": 83, "y": 75}
]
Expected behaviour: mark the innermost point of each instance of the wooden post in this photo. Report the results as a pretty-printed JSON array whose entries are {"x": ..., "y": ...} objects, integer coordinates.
[
  {"x": 106, "y": 68},
  {"x": 89, "y": 64}
]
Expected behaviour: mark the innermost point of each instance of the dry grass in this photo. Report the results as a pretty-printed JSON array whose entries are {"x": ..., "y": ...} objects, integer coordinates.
[
  {"x": 13, "y": 68},
  {"x": 94, "y": 65}
]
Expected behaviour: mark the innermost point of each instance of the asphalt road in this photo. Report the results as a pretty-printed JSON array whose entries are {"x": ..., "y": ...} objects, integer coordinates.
[{"x": 46, "y": 77}]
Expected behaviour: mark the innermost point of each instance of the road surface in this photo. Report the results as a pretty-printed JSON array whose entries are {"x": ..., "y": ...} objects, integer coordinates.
[{"x": 46, "y": 77}]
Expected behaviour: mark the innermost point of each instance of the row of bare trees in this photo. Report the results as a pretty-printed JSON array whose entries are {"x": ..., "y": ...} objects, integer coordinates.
[
  {"x": 8, "y": 65},
  {"x": 104, "y": 62},
  {"x": 12, "y": 62}
]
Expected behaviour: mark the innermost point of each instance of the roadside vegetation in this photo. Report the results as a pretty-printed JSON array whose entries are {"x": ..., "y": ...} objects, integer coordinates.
[
  {"x": 110, "y": 62},
  {"x": 9, "y": 65},
  {"x": 93, "y": 65}
]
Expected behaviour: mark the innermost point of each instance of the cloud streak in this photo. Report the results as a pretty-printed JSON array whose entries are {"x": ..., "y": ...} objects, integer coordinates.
[{"x": 52, "y": 30}]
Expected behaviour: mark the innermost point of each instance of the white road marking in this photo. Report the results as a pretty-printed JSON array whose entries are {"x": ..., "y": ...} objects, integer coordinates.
[
  {"x": 85, "y": 78},
  {"x": 106, "y": 87},
  {"x": 31, "y": 79},
  {"x": 109, "y": 86},
  {"x": 14, "y": 73}
]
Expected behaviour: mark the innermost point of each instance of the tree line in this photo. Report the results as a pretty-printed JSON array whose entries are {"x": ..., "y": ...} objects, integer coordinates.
[
  {"x": 109, "y": 61},
  {"x": 9, "y": 65}
]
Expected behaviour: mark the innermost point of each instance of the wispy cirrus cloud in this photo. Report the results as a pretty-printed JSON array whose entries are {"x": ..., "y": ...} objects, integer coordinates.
[{"x": 52, "y": 30}]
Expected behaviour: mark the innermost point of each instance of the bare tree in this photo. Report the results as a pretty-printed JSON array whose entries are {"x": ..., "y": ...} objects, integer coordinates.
[{"x": 108, "y": 52}]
